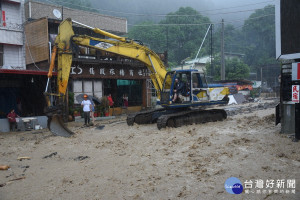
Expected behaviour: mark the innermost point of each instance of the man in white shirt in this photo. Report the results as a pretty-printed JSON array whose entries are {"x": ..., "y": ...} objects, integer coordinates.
[{"x": 87, "y": 107}]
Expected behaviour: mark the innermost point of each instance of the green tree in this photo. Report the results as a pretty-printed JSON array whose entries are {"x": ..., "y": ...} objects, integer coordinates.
[
  {"x": 234, "y": 69},
  {"x": 175, "y": 34},
  {"x": 184, "y": 40},
  {"x": 150, "y": 35},
  {"x": 233, "y": 39},
  {"x": 259, "y": 33}
]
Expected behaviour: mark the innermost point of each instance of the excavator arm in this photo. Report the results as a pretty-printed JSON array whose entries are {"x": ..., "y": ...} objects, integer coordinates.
[
  {"x": 120, "y": 45},
  {"x": 125, "y": 47},
  {"x": 61, "y": 49},
  {"x": 129, "y": 49}
]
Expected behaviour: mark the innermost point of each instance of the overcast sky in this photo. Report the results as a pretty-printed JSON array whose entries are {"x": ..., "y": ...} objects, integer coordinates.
[
  {"x": 243, "y": 8},
  {"x": 229, "y": 10}
]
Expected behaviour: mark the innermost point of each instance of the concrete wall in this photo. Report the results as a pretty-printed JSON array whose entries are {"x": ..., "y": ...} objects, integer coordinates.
[
  {"x": 36, "y": 10},
  {"x": 13, "y": 57},
  {"x": 287, "y": 118},
  {"x": 12, "y": 37},
  {"x": 4, "y": 124}
]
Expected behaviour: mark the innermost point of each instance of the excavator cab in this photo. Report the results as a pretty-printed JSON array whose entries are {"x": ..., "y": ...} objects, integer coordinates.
[{"x": 195, "y": 90}]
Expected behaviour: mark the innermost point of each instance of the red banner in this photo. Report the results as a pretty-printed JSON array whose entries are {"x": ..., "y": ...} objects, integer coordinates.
[
  {"x": 3, "y": 18},
  {"x": 298, "y": 71},
  {"x": 295, "y": 93}
]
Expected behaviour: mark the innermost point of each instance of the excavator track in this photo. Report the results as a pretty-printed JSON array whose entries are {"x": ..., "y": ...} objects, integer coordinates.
[
  {"x": 190, "y": 117},
  {"x": 145, "y": 117}
]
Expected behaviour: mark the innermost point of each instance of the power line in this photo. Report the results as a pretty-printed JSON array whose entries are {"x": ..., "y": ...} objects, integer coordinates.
[
  {"x": 225, "y": 13},
  {"x": 199, "y": 24},
  {"x": 144, "y": 25},
  {"x": 240, "y": 6},
  {"x": 177, "y": 24},
  {"x": 164, "y": 15},
  {"x": 251, "y": 18}
]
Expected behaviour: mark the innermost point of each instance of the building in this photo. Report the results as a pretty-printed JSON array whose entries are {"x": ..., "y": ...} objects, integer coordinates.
[
  {"x": 198, "y": 63},
  {"x": 12, "y": 54},
  {"x": 93, "y": 72},
  {"x": 230, "y": 55},
  {"x": 12, "y": 46},
  {"x": 28, "y": 31}
]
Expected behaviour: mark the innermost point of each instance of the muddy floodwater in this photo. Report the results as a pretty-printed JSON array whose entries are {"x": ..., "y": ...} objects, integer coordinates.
[{"x": 114, "y": 161}]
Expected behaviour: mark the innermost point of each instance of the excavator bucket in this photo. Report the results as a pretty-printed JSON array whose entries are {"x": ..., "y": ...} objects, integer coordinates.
[{"x": 57, "y": 127}]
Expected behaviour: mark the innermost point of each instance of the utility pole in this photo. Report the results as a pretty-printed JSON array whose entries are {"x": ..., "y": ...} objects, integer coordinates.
[
  {"x": 167, "y": 38},
  {"x": 222, "y": 53},
  {"x": 261, "y": 76},
  {"x": 211, "y": 52}
]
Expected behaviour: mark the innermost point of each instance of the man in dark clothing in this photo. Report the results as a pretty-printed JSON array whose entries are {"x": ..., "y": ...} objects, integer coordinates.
[
  {"x": 12, "y": 120},
  {"x": 178, "y": 87}
]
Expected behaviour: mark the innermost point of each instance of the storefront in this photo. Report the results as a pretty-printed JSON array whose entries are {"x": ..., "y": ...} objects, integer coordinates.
[
  {"x": 23, "y": 91},
  {"x": 118, "y": 78}
]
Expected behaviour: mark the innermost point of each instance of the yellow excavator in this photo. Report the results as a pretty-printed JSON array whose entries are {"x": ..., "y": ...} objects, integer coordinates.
[{"x": 188, "y": 108}]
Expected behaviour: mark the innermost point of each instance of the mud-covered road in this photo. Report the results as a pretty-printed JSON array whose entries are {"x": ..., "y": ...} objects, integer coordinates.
[{"x": 142, "y": 162}]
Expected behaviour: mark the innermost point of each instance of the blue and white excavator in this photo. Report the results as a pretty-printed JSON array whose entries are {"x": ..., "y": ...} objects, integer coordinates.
[{"x": 187, "y": 109}]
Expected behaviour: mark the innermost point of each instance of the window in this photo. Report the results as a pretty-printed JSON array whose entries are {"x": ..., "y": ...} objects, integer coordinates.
[
  {"x": 133, "y": 89},
  {"x": 199, "y": 81},
  {"x": 87, "y": 86},
  {"x": 203, "y": 80}
]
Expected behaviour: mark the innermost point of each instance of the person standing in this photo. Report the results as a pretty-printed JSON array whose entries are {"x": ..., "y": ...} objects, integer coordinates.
[
  {"x": 12, "y": 120},
  {"x": 87, "y": 107},
  {"x": 110, "y": 102},
  {"x": 125, "y": 100}
]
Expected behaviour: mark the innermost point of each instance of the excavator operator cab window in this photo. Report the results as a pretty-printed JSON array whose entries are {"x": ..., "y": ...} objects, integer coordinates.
[
  {"x": 203, "y": 80},
  {"x": 196, "y": 80},
  {"x": 199, "y": 80},
  {"x": 199, "y": 87},
  {"x": 183, "y": 77}
]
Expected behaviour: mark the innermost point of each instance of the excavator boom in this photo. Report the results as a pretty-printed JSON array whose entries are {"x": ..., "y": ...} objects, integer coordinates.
[{"x": 61, "y": 50}]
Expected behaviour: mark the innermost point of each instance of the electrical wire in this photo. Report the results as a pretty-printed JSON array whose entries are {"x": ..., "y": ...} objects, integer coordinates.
[
  {"x": 250, "y": 18},
  {"x": 240, "y": 11},
  {"x": 111, "y": 19},
  {"x": 164, "y": 15},
  {"x": 199, "y": 24},
  {"x": 181, "y": 15}
]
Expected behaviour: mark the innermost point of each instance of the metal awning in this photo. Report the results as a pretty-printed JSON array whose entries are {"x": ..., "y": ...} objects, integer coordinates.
[{"x": 30, "y": 72}]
